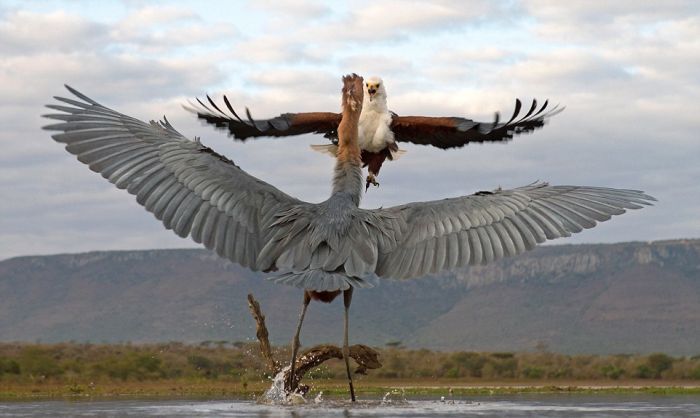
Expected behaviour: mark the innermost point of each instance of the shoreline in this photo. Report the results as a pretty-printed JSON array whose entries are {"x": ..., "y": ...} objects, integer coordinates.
[{"x": 333, "y": 388}]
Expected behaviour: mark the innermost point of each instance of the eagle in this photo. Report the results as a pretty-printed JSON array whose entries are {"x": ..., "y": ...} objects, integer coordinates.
[{"x": 379, "y": 129}]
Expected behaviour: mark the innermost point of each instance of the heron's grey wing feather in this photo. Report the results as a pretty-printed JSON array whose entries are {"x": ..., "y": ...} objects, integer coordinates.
[
  {"x": 487, "y": 226},
  {"x": 190, "y": 188}
]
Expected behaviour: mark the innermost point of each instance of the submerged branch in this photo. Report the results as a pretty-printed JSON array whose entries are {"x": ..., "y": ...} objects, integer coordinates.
[{"x": 366, "y": 357}]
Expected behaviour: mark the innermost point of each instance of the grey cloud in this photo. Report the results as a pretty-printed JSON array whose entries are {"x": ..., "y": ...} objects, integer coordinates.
[
  {"x": 630, "y": 122},
  {"x": 25, "y": 32},
  {"x": 296, "y": 79},
  {"x": 376, "y": 22},
  {"x": 303, "y": 10},
  {"x": 377, "y": 64},
  {"x": 276, "y": 49},
  {"x": 166, "y": 29},
  {"x": 584, "y": 21},
  {"x": 115, "y": 76}
]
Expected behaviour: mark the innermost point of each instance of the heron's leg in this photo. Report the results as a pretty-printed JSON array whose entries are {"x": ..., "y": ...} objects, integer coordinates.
[
  {"x": 347, "y": 298},
  {"x": 295, "y": 342}
]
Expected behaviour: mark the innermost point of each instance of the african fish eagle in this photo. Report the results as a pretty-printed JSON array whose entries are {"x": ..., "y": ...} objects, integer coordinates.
[{"x": 379, "y": 128}]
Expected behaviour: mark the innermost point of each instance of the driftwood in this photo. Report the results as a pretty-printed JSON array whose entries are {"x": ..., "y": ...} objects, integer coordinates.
[
  {"x": 262, "y": 334},
  {"x": 365, "y": 357}
]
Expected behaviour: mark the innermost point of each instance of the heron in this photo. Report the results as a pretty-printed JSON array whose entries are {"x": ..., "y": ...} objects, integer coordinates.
[{"x": 325, "y": 248}]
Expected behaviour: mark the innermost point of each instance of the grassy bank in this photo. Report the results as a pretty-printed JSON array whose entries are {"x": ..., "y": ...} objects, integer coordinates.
[
  {"x": 236, "y": 370},
  {"x": 369, "y": 388}
]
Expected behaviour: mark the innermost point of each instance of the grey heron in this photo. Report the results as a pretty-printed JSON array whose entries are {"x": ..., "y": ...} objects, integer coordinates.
[{"x": 329, "y": 247}]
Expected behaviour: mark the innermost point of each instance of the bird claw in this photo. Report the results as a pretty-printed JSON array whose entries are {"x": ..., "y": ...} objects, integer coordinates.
[{"x": 371, "y": 179}]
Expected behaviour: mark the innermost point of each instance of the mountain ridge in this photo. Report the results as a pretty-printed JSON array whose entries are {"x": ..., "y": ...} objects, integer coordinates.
[{"x": 573, "y": 298}]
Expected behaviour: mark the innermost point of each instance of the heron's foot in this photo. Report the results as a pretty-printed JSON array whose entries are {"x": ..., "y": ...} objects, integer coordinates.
[{"x": 371, "y": 179}]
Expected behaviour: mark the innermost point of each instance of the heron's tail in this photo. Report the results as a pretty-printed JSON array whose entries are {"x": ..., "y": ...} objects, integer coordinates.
[{"x": 322, "y": 281}]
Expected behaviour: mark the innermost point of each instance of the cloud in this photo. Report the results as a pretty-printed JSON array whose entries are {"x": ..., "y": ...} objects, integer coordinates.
[
  {"x": 25, "y": 32},
  {"x": 295, "y": 9},
  {"x": 627, "y": 78},
  {"x": 374, "y": 22},
  {"x": 597, "y": 22},
  {"x": 166, "y": 29},
  {"x": 373, "y": 64},
  {"x": 275, "y": 50}
]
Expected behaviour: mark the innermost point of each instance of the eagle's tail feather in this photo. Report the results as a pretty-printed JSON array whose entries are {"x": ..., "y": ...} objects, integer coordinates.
[
  {"x": 328, "y": 149},
  {"x": 396, "y": 154}
]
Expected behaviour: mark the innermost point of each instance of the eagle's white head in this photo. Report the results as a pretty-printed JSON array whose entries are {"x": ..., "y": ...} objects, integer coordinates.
[{"x": 374, "y": 89}]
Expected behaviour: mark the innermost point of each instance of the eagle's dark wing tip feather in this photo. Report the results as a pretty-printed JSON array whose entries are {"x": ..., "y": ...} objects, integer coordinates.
[
  {"x": 533, "y": 107},
  {"x": 202, "y": 104},
  {"x": 516, "y": 111},
  {"x": 254, "y": 124},
  {"x": 233, "y": 111},
  {"x": 230, "y": 108},
  {"x": 525, "y": 117},
  {"x": 218, "y": 109},
  {"x": 556, "y": 110},
  {"x": 539, "y": 112}
]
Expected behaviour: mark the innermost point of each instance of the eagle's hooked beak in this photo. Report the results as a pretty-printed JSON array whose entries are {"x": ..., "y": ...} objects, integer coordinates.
[{"x": 372, "y": 91}]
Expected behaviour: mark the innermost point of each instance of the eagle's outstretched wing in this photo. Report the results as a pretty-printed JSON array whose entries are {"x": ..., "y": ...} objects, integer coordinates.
[
  {"x": 455, "y": 132},
  {"x": 193, "y": 190},
  {"x": 486, "y": 226},
  {"x": 286, "y": 124}
]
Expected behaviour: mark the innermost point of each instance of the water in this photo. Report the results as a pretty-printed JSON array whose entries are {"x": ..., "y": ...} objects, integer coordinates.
[{"x": 599, "y": 406}]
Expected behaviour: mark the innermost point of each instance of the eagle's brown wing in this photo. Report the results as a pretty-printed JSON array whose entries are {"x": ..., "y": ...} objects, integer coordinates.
[
  {"x": 454, "y": 132},
  {"x": 286, "y": 124}
]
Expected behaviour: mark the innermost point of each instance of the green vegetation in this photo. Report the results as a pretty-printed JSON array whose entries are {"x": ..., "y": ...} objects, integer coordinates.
[{"x": 223, "y": 368}]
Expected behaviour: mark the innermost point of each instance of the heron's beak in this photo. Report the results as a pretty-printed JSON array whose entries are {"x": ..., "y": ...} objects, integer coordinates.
[{"x": 371, "y": 92}]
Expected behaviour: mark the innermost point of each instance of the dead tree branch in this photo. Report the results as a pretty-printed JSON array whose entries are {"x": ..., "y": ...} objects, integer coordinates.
[
  {"x": 365, "y": 357},
  {"x": 262, "y": 334}
]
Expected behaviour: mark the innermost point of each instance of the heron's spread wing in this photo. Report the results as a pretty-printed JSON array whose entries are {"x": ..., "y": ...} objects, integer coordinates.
[
  {"x": 486, "y": 226},
  {"x": 454, "y": 132},
  {"x": 287, "y": 124},
  {"x": 190, "y": 188}
]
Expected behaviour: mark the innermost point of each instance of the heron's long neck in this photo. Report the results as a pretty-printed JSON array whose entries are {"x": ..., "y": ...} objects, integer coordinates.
[{"x": 348, "y": 166}]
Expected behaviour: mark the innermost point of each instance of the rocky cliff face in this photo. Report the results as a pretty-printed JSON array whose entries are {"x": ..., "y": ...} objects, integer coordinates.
[
  {"x": 630, "y": 297},
  {"x": 562, "y": 262}
]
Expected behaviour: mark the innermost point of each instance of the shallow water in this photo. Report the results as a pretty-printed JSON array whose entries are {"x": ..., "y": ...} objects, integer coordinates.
[{"x": 601, "y": 406}]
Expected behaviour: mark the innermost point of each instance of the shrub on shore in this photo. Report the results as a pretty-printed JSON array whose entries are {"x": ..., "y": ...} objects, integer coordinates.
[{"x": 241, "y": 362}]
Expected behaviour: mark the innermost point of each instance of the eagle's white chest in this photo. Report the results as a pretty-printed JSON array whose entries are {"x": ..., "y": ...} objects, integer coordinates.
[{"x": 374, "y": 128}]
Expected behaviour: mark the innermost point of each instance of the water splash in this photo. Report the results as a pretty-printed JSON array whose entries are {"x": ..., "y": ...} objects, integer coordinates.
[
  {"x": 394, "y": 396},
  {"x": 278, "y": 395}
]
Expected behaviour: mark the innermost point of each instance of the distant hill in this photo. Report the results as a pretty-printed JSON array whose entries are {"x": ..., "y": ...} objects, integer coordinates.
[{"x": 603, "y": 298}]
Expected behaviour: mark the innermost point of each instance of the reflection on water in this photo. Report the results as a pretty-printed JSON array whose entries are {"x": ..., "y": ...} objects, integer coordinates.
[{"x": 601, "y": 406}]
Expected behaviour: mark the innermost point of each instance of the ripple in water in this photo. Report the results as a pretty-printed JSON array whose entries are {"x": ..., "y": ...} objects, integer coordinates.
[{"x": 395, "y": 405}]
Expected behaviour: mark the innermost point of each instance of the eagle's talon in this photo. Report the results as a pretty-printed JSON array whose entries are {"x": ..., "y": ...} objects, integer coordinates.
[{"x": 371, "y": 179}]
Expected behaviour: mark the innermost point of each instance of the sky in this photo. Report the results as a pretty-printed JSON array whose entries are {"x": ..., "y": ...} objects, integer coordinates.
[{"x": 627, "y": 72}]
